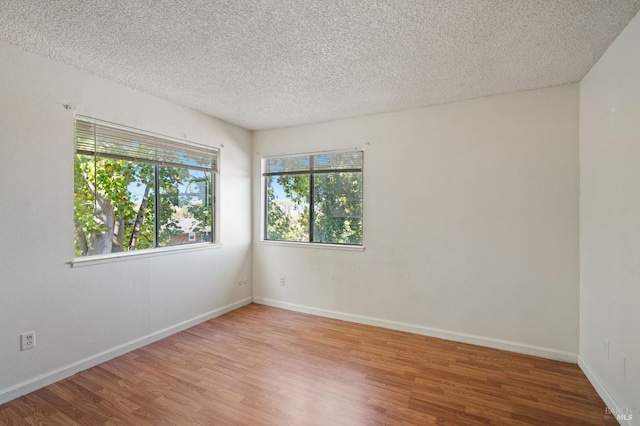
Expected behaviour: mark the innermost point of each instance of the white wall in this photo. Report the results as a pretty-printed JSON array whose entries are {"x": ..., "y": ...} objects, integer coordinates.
[
  {"x": 78, "y": 313},
  {"x": 610, "y": 222},
  {"x": 471, "y": 223}
]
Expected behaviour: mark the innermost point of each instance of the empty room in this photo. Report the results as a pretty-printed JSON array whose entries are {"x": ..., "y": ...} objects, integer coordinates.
[{"x": 262, "y": 212}]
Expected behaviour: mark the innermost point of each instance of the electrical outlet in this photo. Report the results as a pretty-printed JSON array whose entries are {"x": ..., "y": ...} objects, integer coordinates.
[
  {"x": 606, "y": 349},
  {"x": 240, "y": 282},
  {"x": 27, "y": 340},
  {"x": 282, "y": 281}
]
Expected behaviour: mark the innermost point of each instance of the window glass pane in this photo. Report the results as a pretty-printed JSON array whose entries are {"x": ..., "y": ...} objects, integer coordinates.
[
  {"x": 337, "y": 200},
  {"x": 113, "y": 205},
  {"x": 287, "y": 208},
  {"x": 185, "y": 213}
]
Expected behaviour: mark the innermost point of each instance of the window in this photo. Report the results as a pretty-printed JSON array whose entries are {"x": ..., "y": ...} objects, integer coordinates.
[
  {"x": 135, "y": 190},
  {"x": 314, "y": 198}
]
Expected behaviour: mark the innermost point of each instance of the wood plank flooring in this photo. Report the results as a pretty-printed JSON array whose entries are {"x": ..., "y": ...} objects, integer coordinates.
[{"x": 260, "y": 365}]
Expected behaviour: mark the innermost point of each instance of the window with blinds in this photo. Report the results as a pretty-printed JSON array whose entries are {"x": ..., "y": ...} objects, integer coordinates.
[
  {"x": 314, "y": 198},
  {"x": 136, "y": 190}
]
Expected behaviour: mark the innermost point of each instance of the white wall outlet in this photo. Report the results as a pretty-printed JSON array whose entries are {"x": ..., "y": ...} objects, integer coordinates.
[
  {"x": 27, "y": 340},
  {"x": 606, "y": 349},
  {"x": 240, "y": 282},
  {"x": 282, "y": 281}
]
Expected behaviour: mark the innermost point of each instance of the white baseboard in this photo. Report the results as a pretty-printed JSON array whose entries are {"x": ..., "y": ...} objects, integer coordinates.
[
  {"x": 50, "y": 377},
  {"x": 427, "y": 331},
  {"x": 602, "y": 390}
]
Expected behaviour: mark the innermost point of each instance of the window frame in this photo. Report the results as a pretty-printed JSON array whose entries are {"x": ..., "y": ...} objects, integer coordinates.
[
  {"x": 264, "y": 201},
  {"x": 214, "y": 188}
]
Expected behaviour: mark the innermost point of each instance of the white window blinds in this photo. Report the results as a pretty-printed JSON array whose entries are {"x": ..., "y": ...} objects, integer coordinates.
[
  {"x": 344, "y": 161},
  {"x": 103, "y": 140}
]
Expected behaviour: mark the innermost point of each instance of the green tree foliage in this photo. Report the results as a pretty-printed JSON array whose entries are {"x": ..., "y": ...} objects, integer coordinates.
[
  {"x": 337, "y": 208},
  {"x": 110, "y": 218}
]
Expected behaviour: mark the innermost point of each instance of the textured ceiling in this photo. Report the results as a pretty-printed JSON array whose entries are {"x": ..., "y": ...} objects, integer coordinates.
[{"x": 275, "y": 63}]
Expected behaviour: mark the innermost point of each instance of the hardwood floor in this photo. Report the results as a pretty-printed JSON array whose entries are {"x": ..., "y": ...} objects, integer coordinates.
[{"x": 261, "y": 365}]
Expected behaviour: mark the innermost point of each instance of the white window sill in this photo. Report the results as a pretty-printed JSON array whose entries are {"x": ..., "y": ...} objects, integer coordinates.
[
  {"x": 119, "y": 257},
  {"x": 293, "y": 244}
]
